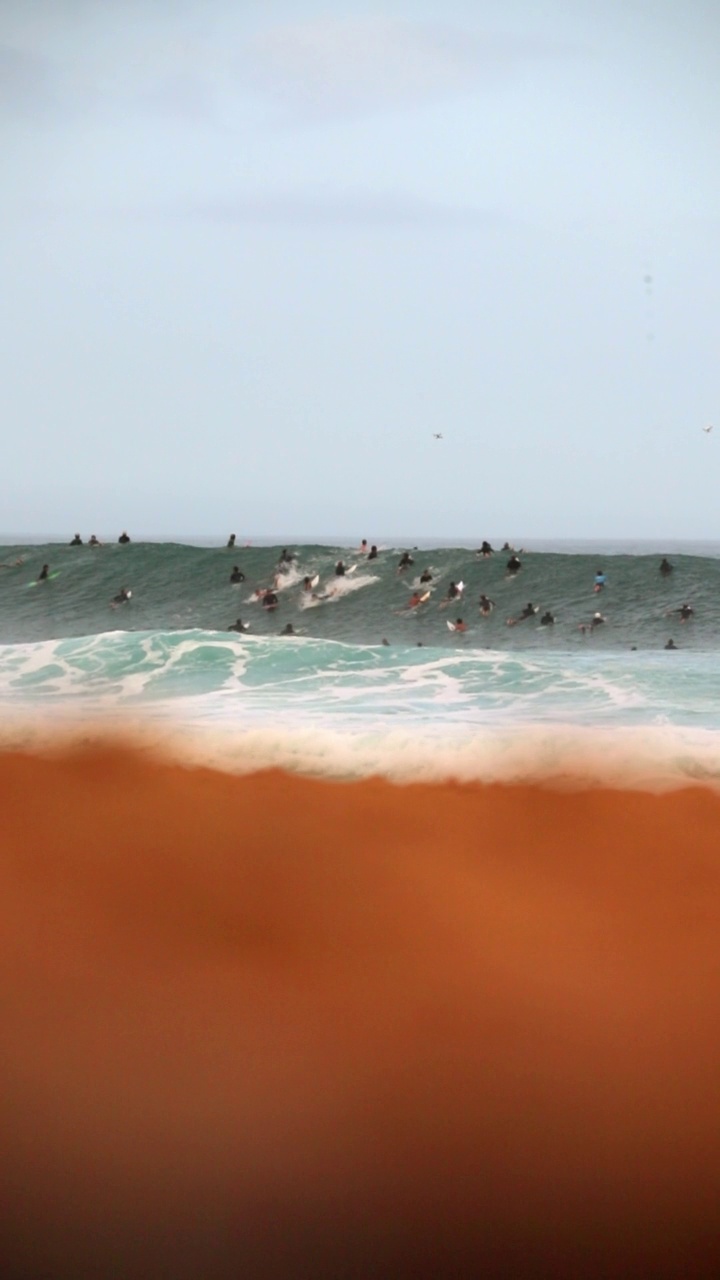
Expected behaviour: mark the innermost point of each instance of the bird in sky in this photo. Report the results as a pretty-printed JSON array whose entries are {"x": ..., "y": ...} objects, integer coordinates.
[
  {"x": 706, "y": 429},
  {"x": 437, "y": 435}
]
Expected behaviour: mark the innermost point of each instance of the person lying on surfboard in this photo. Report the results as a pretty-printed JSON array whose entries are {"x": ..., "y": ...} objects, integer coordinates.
[{"x": 459, "y": 625}]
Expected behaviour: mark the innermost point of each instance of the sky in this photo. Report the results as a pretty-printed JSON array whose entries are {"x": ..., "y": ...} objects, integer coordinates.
[{"x": 255, "y": 255}]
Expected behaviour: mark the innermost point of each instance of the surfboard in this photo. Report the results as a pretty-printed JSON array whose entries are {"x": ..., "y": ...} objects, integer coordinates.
[
  {"x": 38, "y": 581},
  {"x": 314, "y": 581},
  {"x": 451, "y": 626}
]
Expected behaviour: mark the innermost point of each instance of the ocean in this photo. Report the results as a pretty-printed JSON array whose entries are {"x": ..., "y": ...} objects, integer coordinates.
[{"x": 366, "y": 684}]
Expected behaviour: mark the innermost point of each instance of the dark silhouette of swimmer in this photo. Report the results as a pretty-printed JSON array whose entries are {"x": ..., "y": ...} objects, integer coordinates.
[
  {"x": 671, "y": 644},
  {"x": 665, "y": 567},
  {"x": 237, "y": 574},
  {"x": 486, "y": 604},
  {"x": 231, "y": 540},
  {"x": 405, "y": 560},
  {"x": 460, "y": 625},
  {"x": 547, "y": 619},
  {"x": 373, "y": 553},
  {"x": 528, "y": 612},
  {"x": 514, "y": 565},
  {"x": 288, "y": 630},
  {"x": 124, "y": 537},
  {"x": 685, "y": 612},
  {"x": 122, "y": 596},
  {"x": 269, "y": 600},
  {"x": 287, "y": 557},
  {"x": 386, "y": 642},
  {"x": 77, "y": 541},
  {"x": 453, "y": 592},
  {"x": 238, "y": 625},
  {"x": 486, "y": 549},
  {"x": 339, "y": 569},
  {"x": 426, "y": 576},
  {"x": 44, "y": 573},
  {"x": 93, "y": 541}
]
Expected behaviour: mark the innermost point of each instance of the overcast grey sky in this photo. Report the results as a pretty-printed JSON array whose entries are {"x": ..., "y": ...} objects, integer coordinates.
[{"x": 253, "y": 255}]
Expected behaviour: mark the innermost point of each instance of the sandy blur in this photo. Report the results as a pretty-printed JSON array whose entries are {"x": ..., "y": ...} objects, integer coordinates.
[{"x": 271, "y": 1026}]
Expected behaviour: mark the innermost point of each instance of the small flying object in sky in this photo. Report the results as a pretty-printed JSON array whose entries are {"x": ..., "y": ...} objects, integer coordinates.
[
  {"x": 706, "y": 429},
  {"x": 437, "y": 435}
]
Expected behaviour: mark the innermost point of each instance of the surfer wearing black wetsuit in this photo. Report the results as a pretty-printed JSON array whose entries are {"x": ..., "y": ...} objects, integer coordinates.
[
  {"x": 453, "y": 592},
  {"x": 486, "y": 605},
  {"x": 124, "y": 537},
  {"x": 405, "y": 560},
  {"x": 665, "y": 567},
  {"x": 339, "y": 569},
  {"x": 231, "y": 541},
  {"x": 237, "y": 574},
  {"x": 238, "y": 625},
  {"x": 426, "y": 576},
  {"x": 486, "y": 549},
  {"x": 288, "y": 630},
  {"x": 685, "y": 612},
  {"x": 547, "y": 619},
  {"x": 44, "y": 573},
  {"x": 514, "y": 565},
  {"x": 671, "y": 644},
  {"x": 269, "y": 600},
  {"x": 373, "y": 553},
  {"x": 77, "y": 541},
  {"x": 287, "y": 557},
  {"x": 94, "y": 542},
  {"x": 122, "y": 596}
]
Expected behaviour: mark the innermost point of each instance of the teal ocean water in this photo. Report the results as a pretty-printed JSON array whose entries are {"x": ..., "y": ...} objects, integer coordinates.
[{"x": 368, "y": 683}]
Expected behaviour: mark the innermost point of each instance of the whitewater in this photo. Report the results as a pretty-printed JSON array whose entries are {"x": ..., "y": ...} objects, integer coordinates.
[{"x": 367, "y": 684}]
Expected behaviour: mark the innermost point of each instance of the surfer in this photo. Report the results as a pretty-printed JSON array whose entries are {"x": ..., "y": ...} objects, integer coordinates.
[
  {"x": 513, "y": 566},
  {"x": 124, "y": 537},
  {"x": 44, "y": 573},
  {"x": 373, "y": 553},
  {"x": 231, "y": 540},
  {"x": 238, "y": 625},
  {"x": 363, "y": 547},
  {"x": 93, "y": 541},
  {"x": 405, "y": 561},
  {"x": 547, "y": 619},
  {"x": 77, "y": 541},
  {"x": 671, "y": 644},
  {"x": 237, "y": 574},
  {"x": 288, "y": 630},
  {"x": 122, "y": 596},
  {"x": 339, "y": 569},
  {"x": 417, "y": 597},
  {"x": 685, "y": 612},
  {"x": 485, "y": 550},
  {"x": 460, "y": 625},
  {"x": 426, "y": 576},
  {"x": 287, "y": 557},
  {"x": 665, "y": 567},
  {"x": 269, "y": 600},
  {"x": 528, "y": 612},
  {"x": 308, "y": 583},
  {"x": 599, "y": 580},
  {"x": 486, "y": 605}
]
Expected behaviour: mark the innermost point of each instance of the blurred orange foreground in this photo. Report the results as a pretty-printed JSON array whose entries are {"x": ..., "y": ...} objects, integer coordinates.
[{"x": 267, "y": 1026}]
